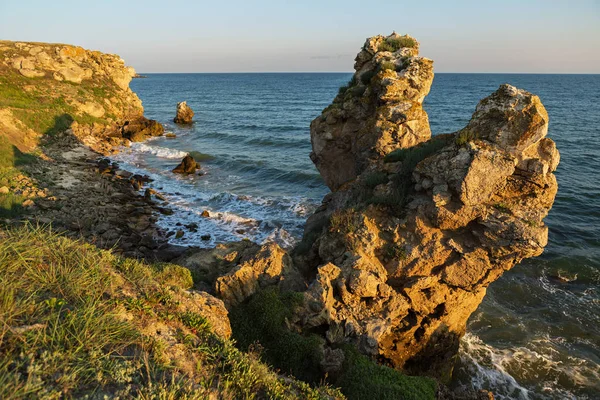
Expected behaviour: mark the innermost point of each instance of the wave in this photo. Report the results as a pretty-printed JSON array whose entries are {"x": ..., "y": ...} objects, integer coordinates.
[
  {"x": 544, "y": 372},
  {"x": 162, "y": 152}
]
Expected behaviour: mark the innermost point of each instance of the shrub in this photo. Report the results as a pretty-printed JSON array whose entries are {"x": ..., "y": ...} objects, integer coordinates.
[
  {"x": 397, "y": 43},
  {"x": 363, "y": 379},
  {"x": 262, "y": 319}
]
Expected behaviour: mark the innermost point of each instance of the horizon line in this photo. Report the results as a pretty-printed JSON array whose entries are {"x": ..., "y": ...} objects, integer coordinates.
[{"x": 351, "y": 72}]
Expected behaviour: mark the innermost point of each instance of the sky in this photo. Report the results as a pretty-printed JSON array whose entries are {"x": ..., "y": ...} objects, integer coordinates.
[{"x": 550, "y": 36}]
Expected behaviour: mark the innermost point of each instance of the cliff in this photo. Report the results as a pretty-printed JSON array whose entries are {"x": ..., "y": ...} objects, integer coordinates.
[{"x": 48, "y": 88}]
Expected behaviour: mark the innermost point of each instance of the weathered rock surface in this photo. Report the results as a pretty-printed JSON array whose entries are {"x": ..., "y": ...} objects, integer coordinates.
[
  {"x": 235, "y": 271},
  {"x": 187, "y": 166},
  {"x": 82, "y": 89},
  {"x": 380, "y": 110},
  {"x": 184, "y": 114},
  {"x": 403, "y": 253}
]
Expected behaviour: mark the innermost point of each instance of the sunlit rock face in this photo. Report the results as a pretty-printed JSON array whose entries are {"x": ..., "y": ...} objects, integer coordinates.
[
  {"x": 379, "y": 111},
  {"x": 403, "y": 249}
]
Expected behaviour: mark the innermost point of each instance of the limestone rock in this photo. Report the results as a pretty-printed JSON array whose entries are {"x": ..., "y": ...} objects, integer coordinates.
[
  {"x": 270, "y": 266},
  {"x": 141, "y": 129},
  {"x": 400, "y": 278},
  {"x": 187, "y": 166},
  {"x": 379, "y": 111},
  {"x": 184, "y": 114},
  {"x": 212, "y": 309}
]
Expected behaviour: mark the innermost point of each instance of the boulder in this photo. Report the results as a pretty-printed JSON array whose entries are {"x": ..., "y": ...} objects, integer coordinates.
[
  {"x": 184, "y": 114},
  {"x": 187, "y": 166},
  {"x": 141, "y": 129},
  {"x": 271, "y": 265}
]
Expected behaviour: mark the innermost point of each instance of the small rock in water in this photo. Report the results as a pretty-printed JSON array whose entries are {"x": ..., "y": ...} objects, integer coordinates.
[
  {"x": 170, "y": 135},
  {"x": 205, "y": 237},
  {"x": 205, "y": 214},
  {"x": 184, "y": 114},
  {"x": 179, "y": 234},
  {"x": 187, "y": 166}
]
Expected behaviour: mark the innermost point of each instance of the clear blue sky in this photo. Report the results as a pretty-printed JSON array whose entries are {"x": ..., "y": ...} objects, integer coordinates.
[{"x": 306, "y": 35}]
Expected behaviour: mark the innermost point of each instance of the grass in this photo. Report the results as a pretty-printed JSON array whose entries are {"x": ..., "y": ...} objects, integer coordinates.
[
  {"x": 43, "y": 106},
  {"x": 10, "y": 159},
  {"x": 74, "y": 320},
  {"x": 342, "y": 221},
  {"x": 263, "y": 320}
]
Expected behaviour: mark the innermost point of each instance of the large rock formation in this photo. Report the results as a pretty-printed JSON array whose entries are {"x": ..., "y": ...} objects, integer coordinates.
[
  {"x": 70, "y": 87},
  {"x": 379, "y": 111},
  {"x": 402, "y": 253}
]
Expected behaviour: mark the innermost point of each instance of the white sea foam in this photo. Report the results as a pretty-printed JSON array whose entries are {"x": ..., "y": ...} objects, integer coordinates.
[
  {"x": 162, "y": 152},
  {"x": 494, "y": 368}
]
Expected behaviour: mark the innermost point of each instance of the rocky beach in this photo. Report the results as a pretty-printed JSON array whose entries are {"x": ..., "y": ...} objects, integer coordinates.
[{"x": 371, "y": 299}]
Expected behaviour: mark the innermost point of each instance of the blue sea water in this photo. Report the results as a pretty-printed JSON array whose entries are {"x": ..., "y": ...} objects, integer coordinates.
[{"x": 533, "y": 337}]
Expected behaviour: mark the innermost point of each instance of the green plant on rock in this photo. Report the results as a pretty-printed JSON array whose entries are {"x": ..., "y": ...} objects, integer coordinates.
[
  {"x": 342, "y": 221},
  {"x": 395, "y": 251},
  {"x": 387, "y": 65},
  {"x": 367, "y": 76},
  {"x": 464, "y": 136},
  {"x": 263, "y": 319},
  {"x": 393, "y": 44}
]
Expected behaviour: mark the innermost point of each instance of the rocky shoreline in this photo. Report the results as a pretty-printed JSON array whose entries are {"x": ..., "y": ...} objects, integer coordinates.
[{"x": 394, "y": 261}]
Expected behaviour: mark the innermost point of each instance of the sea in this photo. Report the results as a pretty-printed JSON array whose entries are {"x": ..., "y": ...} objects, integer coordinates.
[{"x": 536, "y": 334}]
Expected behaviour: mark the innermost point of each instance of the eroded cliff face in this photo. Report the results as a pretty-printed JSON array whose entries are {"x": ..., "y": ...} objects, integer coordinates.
[
  {"x": 379, "y": 111},
  {"x": 403, "y": 252},
  {"x": 47, "y": 88}
]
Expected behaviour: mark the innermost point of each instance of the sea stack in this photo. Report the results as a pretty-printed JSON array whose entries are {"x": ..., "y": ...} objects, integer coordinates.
[
  {"x": 416, "y": 228},
  {"x": 184, "y": 114}
]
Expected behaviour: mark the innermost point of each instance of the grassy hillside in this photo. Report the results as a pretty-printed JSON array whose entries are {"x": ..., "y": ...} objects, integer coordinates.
[{"x": 74, "y": 322}]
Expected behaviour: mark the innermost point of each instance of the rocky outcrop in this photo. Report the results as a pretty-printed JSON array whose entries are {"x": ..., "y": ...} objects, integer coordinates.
[
  {"x": 237, "y": 270},
  {"x": 184, "y": 114},
  {"x": 71, "y": 87},
  {"x": 187, "y": 166},
  {"x": 404, "y": 251},
  {"x": 379, "y": 111}
]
